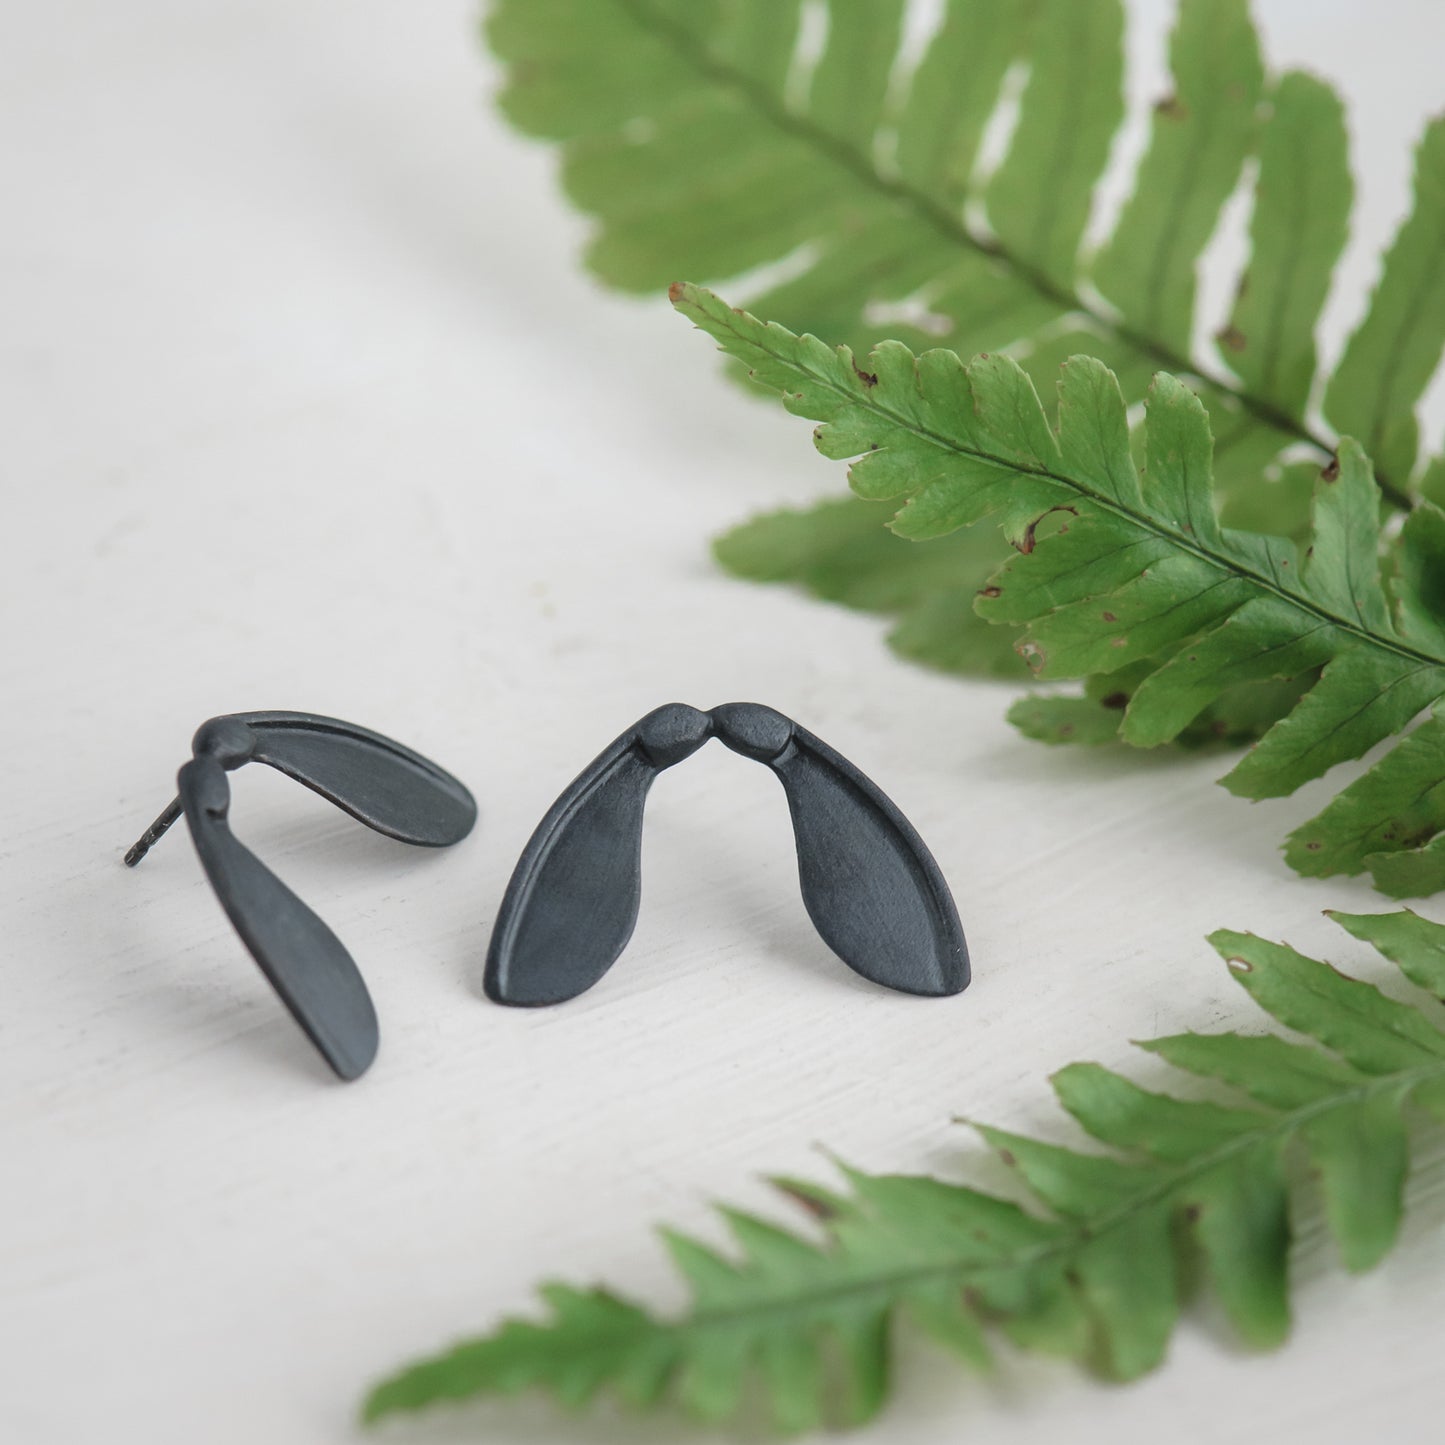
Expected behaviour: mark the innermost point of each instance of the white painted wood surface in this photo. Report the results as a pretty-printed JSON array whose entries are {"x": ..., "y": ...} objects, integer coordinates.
[{"x": 307, "y": 404}]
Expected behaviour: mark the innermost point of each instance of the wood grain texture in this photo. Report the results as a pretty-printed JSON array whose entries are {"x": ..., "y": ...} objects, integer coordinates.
[{"x": 308, "y": 407}]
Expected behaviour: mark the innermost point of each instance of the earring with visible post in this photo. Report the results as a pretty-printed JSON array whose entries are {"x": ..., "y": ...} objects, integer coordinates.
[{"x": 379, "y": 782}]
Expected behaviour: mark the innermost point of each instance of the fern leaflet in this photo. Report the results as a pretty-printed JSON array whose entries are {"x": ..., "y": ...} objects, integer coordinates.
[
  {"x": 1126, "y": 573},
  {"x": 708, "y": 138},
  {"x": 1089, "y": 1268}
]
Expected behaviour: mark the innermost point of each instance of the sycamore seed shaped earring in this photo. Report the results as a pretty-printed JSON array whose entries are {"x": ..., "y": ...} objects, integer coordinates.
[
  {"x": 869, "y": 883},
  {"x": 379, "y": 782}
]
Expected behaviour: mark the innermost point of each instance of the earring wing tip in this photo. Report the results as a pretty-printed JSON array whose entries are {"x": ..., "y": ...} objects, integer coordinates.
[
  {"x": 501, "y": 987},
  {"x": 350, "y": 1057}
]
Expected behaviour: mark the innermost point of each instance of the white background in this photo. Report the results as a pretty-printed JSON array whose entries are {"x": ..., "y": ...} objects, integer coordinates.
[{"x": 309, "y": 405}]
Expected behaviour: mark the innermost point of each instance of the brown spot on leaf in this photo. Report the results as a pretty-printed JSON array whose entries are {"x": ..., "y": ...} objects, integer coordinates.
[
  {"x": 1314, "y": 846},
  {"x": 1115, "y": 700},
  {"x": 868, "y": 378},
  {"x": 1030, "y": 538},
  {"x": 1331, "y": 473},
  {"x": 990, "y": 592},
  {"x": 1231, "y": 338},
  {"x": 1108, "y": 617},
  {"x": 819, "y": 1208}
]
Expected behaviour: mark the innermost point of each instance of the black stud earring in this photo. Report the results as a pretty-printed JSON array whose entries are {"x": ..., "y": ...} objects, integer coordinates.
[
  {"x": 379, "y": 782},
  {"x": 870, "y": 885}
]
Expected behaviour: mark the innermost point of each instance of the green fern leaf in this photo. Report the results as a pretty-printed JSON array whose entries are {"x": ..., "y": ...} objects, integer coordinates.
[
  {"x": 1297, "y": 231},
  {"x": 1038, "y": 199},
  {"x": 705, "y": 141},
  {"x": 1391, "y": 357},
  {"x": 1089, "y": 1267},
  {"x": 1237, "y": 715},
  {"x": 1128, "y": 575},
  {"x": 708, "y": 140},
  {"x": 1202, "y": 134}
]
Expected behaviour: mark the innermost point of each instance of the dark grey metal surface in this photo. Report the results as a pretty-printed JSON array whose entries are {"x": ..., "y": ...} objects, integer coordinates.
[
  {"x": 869, "y": 883},
  {"x": 379, "y": 782},
  {"x": 572, "y": 901}
]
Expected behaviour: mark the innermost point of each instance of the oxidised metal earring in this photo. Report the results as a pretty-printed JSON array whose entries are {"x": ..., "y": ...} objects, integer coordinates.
[
  {"x": 379, "y": 782},
  {"x": 870, "y": 885}
]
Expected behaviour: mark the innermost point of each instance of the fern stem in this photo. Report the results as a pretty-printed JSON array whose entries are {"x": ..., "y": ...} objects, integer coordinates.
[{"x": 954, "y": 228}]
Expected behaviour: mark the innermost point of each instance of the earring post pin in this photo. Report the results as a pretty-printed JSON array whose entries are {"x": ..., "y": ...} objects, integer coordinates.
[{"x": 157, "y": 830}]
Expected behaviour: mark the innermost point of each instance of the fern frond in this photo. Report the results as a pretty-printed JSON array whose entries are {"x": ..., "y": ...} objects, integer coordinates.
[
  {"x": 705, "y": 144},
  {"x": 1127, "y": 574},
  {"x": 1089, "y": 1267},
  {"x": 709, "y": 140}
]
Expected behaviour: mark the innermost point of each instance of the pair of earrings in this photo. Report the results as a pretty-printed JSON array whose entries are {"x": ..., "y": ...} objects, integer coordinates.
[{"x": 870, "y": 885}]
